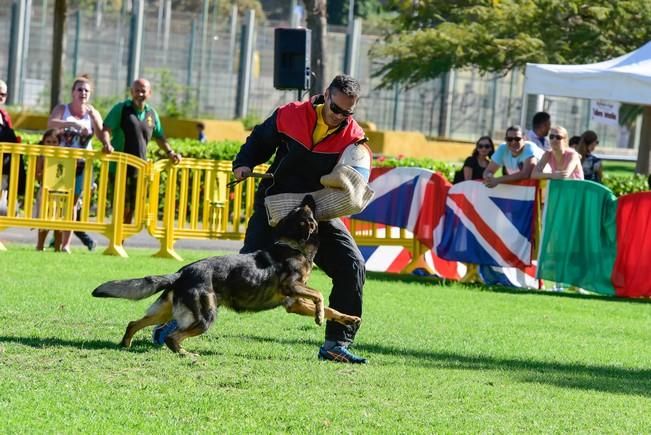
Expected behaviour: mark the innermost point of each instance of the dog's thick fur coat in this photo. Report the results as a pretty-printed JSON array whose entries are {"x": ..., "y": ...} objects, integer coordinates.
[{"x": 258, "y": 281}]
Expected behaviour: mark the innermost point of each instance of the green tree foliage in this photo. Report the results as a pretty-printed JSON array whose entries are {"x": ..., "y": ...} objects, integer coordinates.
[
  {"x": 177, "y": 100},
  {"x": 430, "y": 37},
  {"x": 338, "y": 10}
]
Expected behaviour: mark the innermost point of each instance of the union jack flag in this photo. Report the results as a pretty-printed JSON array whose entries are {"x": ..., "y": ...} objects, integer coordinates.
[
  {"x": 488, "y": 226},
  {"x": 413, "y": 199},
  {"x": 410, "y": 198},
  {"x": 510, "y": 276},
  {"x": 391, "y": 259},
  {"x": 397, "y": 259}
]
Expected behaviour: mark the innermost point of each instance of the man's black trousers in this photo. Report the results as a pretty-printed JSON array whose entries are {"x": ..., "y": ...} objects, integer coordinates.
[{"x": 338, "y": 257}]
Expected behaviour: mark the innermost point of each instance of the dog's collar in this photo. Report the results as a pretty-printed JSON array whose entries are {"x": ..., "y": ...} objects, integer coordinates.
[
  {"x": 304, "y": 250},
  {"x": 290, "y": 244}
]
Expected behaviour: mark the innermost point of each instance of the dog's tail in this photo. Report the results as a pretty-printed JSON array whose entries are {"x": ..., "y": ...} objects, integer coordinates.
[{"x": 135, "y": 289}]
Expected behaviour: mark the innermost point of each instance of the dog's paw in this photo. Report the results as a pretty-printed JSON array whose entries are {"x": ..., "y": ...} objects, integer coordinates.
[
  {"x": 319, "y": 315},
  {"x": 126, "y": 344},
  {"x": 185, "y": 354},
  {"x": 351, "y": 320}
]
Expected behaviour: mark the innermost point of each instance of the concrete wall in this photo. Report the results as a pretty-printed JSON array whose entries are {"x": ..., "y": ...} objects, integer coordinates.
[{"x": 215, "y": 129}]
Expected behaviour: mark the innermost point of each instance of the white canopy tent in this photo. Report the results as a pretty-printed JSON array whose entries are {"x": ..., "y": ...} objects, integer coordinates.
[{"x": 625, "y": 79}]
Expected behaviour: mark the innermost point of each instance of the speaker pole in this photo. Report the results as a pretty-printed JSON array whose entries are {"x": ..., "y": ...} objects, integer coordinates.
[
  {"x": 353, "y": 39},
  {"x": 293, "y": 16}
]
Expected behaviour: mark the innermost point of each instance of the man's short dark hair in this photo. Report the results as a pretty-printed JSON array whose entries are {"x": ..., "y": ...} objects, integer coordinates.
[
  {"x": 346, "y": 84},
  {"x": 514, "y": 128},
  {"x": 540, "y": 118}
]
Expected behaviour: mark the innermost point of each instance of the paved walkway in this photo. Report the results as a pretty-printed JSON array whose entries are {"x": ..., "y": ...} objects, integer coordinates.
[{"x": 140, "y": 240}]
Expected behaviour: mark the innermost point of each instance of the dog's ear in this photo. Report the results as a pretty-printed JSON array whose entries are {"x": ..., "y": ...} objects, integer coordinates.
[{"x": 309, "y": 201}]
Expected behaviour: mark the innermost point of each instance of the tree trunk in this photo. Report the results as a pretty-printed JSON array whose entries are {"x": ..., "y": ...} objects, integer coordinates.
[
  {"x": 58, "y": 33},
  {"x": 643, "y": 160},
  {"x": 317, "y": 22}
]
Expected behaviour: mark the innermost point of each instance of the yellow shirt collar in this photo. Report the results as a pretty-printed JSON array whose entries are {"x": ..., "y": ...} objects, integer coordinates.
[{"x": 321, "y": 130}]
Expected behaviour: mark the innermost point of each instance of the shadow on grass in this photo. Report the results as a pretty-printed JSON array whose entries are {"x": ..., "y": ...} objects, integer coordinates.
[
  {"x": 407, "y": 278},
  {"x": 618, "y": 380},
  {"x": 611, "y": 379},
  {"x": 138, "y": 346}
]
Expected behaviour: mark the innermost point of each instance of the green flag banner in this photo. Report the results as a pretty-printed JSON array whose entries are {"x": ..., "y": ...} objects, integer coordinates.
[{"x": 578, "y": 244}]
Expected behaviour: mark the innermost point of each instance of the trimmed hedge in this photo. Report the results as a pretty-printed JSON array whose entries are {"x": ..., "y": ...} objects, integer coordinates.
[
  {"x": 625, "y": 184},
  {"x": 192, "y": 148},
  {"x": 227, "y": 149},
  {"x": 446, "y": 169}
]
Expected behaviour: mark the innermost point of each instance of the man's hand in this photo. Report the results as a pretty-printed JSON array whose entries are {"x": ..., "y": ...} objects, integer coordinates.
[
  {"x": 241, "y": 172},
  {"x": 105, "y": 139},
  {"x": 174, "y": 156},
  {"x": 489, "y": 181}
]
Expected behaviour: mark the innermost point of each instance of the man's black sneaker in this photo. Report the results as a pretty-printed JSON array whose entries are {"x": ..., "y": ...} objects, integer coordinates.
[{"x": 340, "y": 354}]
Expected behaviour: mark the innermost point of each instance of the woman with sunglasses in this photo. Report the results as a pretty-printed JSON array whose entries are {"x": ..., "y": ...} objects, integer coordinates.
[
  {"x": 5, "y": 119},
  {"x": 564, "y": 161},
  {"x": 474, "y": 166},
  {"x": 592, "y": 169},
  {"x": 473, "y": 169},
  {"x": 78, "y": 122},
  {"x": 7, "y": 134}
]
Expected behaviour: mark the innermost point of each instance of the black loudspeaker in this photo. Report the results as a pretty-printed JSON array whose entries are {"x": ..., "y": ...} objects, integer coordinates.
[{"x": 292, "y": 58}]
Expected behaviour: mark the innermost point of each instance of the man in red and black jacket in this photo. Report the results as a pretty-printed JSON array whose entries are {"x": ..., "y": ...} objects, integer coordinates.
[{"x": 307, "y": 139}]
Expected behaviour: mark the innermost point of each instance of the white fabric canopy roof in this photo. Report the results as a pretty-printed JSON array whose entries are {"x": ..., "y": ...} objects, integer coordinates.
[{"x": 626, "y": 78}]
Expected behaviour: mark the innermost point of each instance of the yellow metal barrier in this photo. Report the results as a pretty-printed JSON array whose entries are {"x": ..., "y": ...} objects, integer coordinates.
[
  {"x": 197, "y": 203},
  {"x": 371, "y": 234},
  {"x": 57, "y": 202}
]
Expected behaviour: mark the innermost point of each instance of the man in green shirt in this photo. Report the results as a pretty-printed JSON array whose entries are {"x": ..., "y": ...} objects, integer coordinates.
[{"x": 128, "y": 127}]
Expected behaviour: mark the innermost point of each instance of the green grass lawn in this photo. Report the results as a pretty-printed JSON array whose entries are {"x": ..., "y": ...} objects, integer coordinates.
[{"x": 444, "y": 358}]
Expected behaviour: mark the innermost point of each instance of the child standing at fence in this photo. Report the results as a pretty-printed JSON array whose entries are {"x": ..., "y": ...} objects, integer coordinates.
[
  {"x": 592, "y": 168},
  {"x": 51, "y": 138}
]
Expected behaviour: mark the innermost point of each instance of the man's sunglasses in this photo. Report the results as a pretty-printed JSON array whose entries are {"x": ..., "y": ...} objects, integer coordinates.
[
  {"x": 338, "y": 110},
  {"x": 3, "y": 94},
  {"x": 513, "y": 138}
]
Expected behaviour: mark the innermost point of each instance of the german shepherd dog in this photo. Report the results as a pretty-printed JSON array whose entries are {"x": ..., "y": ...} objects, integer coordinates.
[{"x": 258, "y": 281}]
